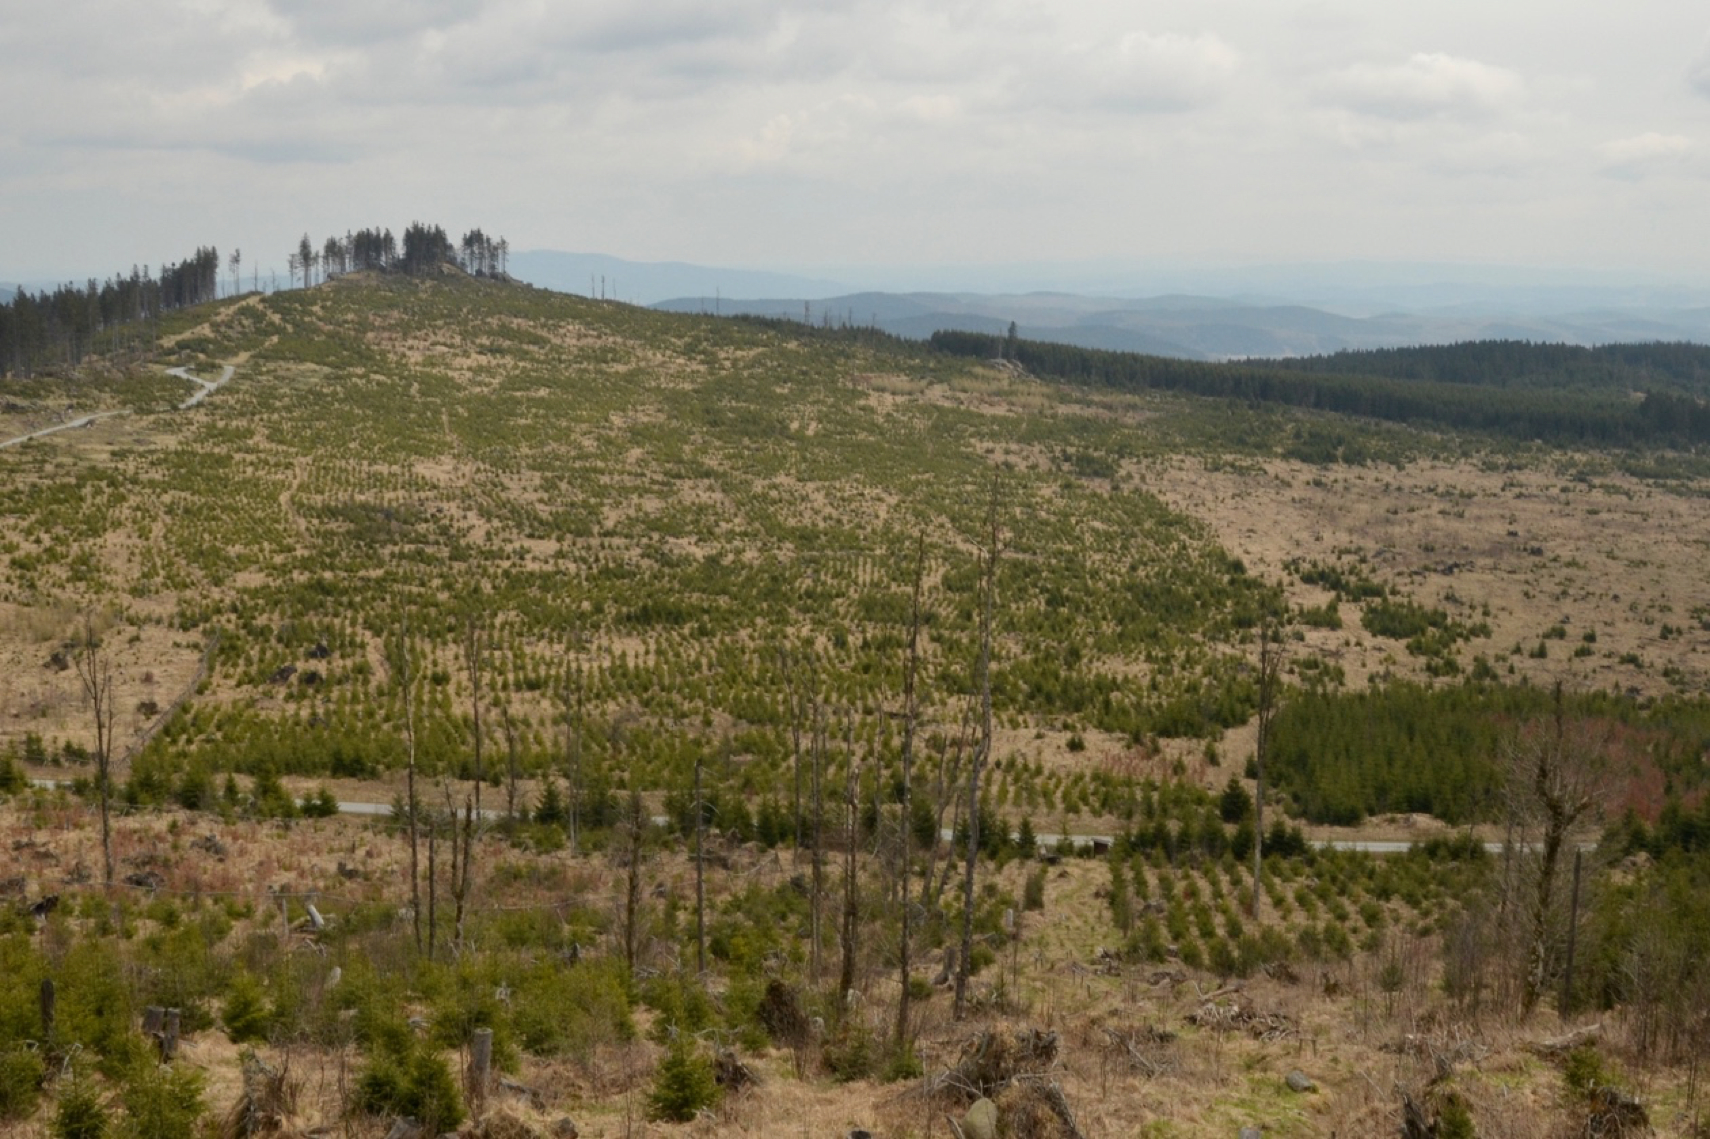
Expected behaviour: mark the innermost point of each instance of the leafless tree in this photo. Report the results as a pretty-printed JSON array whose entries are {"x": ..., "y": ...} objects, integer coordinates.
[
  {"x": 512, "y": 766},
  {"x": 851, "y": 867},
  {"x": 1557, "y": 774},
  {"x": 816, "y": 902},
  {"x": 474, "y": 646},
  {"x": 947, "y": 792},
  {"x": 982, "y": 753},
  {"x": 635, "y": 822},
  {"x": 573, "y": 744},
  {"x": 796, "y": 696},
  {"x": 95, "y": 670},
  {"x": 700, "y": 873},
  {"x": 1270, "y": 660},
  {"x": 412, "y": 804},
  {"x": 910, "y": 671}
]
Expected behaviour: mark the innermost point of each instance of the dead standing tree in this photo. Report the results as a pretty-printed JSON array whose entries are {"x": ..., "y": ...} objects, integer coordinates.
[
  {"x": 463, "y": 862},
  {"x": 573, "y": 689},
  {"x": 1558, "y": 773},
  {"x": 982, "y": 753},
  {"x": 635, "y": 826},
  {"x": 910, "y": 669},
  {"x": 1270, "y": 661},
  {"x": 95, "y": 671},
  {"x": 412, "y": 804},
  {"x": 851, "y": 869}
]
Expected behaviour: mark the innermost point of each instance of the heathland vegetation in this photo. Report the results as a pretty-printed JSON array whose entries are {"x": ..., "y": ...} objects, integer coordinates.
[{"x": 720, "y": 681}]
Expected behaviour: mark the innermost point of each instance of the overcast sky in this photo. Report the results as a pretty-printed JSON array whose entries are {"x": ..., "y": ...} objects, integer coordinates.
[{"x": 838, "y": 132}]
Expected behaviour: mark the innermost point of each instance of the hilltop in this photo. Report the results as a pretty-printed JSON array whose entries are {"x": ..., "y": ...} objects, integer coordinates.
[{"x": 602, "y": 561}]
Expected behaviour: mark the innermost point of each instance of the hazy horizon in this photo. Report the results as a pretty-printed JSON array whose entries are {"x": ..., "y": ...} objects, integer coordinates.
[{"x": 863, "y": 134}]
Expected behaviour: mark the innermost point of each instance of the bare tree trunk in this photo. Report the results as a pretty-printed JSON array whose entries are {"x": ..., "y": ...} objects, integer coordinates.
[
  {"x": 817, "y": 900},
  {"x": 1562, "y": 780},
  {"x": 410, "y": 785},
  {"x": 463, "y": 866},
  {"x": 797, "y": 701},
  {"x": 851, "y": 884},
  {"x": 700, "y": 876},
  {"x": 982, "y": 752},
  {"x": 909, "y": 672},
  {"x": 573, "y": 747},
  {"x": 433, "y": 885},
  {"x": 632, "y": 889},
  {"x": 949, "y": 798},
  {"x": 95, "y": 671},
  {"x": 511, "y": 772},
  {"x": 1270, "y": 651}
]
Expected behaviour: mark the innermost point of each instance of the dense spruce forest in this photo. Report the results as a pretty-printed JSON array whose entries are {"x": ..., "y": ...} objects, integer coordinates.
[
  {"x": 1623, "y": 395},
  {"x": 1683, "y": 368}
]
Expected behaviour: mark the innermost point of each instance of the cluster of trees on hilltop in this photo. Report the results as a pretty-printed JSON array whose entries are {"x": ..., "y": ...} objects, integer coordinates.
[
  {"x": 1556, "y": 415},
  {"x": 424, "y": 248},
  {"x": 59, "y": 328},
  {"x": 1623, "y": 368}
]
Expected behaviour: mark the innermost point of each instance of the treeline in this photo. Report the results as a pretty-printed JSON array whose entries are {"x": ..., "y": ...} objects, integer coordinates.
[
  {"x": 1604, "y": 418},
  {"x": 60, "y": 328},
  {"x": 1619, "y": 368},
  {"x": 424, "y": 249}
]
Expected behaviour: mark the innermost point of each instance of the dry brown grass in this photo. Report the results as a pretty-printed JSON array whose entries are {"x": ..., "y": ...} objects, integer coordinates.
[{"x": 1359, "y": 1046}]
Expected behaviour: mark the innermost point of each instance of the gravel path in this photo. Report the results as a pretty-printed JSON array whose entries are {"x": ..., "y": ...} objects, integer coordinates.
[{"x": 205, "y": 389}]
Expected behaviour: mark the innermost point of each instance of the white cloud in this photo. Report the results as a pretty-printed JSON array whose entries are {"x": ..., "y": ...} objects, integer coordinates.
[
  {"x": 1633, "y": 158},
  {"x": 1428, "y": 85}
]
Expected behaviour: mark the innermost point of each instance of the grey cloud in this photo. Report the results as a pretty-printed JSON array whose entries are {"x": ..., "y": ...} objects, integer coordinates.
[
  {"x": 357, "y": 23},
  {"x": 1699, "y": 74}
]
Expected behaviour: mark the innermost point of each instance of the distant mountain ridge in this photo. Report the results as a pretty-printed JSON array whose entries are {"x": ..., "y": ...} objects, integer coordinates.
[
  {"x": 1202, "y": 328},
  {"x": 646, "y": 282},
  {"x": 1223, "y": 314}
]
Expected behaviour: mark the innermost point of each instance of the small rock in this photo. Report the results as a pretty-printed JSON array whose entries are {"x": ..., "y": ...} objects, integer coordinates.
[
  {"x": 1298, "y": 1081},
  {"x": 981, "y": 1122},
  {"x": 404, "y": 1128},
  {"x": 1252, "y": 1133},
  {"x": 564, "y": 1128}
]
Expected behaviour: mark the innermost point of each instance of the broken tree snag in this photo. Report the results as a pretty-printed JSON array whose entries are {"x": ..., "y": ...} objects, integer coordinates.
[
  {"x": 268, "y": 1099},
  {"x": 990, "y": 1060},
  {"x": 169, "y": 1035},
  {"x": 480, "y": 1064}
]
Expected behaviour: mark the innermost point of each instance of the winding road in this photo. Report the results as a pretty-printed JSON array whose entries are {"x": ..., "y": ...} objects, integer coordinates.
[
  {"x": 205, "y": 389},
  {"x": 80, "y": 421},
  {"x": 208, "y": 388}
]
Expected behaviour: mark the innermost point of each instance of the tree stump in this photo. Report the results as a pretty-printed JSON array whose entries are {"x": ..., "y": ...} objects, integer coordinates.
[{"x": 480, "y": 1064}]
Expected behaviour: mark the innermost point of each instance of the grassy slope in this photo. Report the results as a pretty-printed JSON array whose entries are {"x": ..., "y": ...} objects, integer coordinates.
[{"x": 662, "y": 502}]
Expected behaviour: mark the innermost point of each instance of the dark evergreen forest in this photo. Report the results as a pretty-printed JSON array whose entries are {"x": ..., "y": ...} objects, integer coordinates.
[{"x": 1622, "y": 395}]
